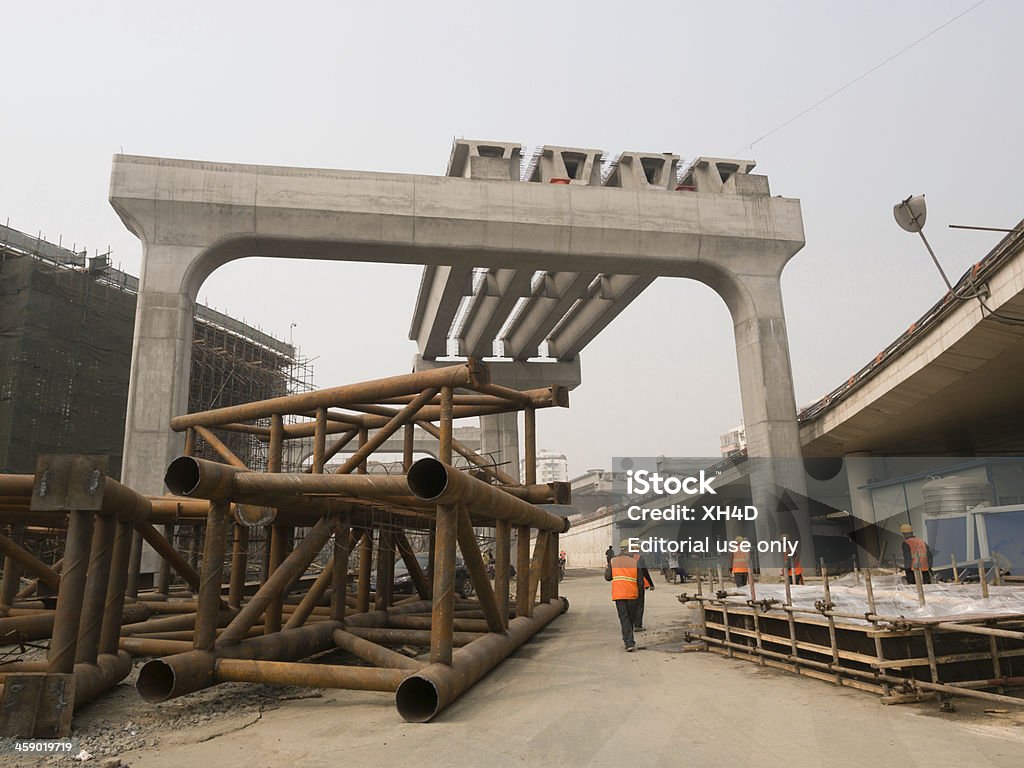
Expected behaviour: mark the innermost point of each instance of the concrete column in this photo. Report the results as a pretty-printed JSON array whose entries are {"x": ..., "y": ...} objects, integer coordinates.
[
  {"x": 859, "y": 471},
  {"x": 161, "y": 357},
  {"x": 499, "y": 440},
  {"x": 769, "y": 414}
]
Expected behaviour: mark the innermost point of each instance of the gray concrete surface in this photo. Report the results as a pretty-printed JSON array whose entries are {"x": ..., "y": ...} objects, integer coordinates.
[{"x": 573, "y": 697}]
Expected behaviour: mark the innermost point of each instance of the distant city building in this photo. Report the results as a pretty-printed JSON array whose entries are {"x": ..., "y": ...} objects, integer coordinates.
[
  {"x": 734, "y": 441},
  {"x": 551, "y": 467}
]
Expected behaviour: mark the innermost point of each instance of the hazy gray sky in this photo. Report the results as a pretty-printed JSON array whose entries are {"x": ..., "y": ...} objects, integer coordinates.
[{"x": 386, "y": 87}]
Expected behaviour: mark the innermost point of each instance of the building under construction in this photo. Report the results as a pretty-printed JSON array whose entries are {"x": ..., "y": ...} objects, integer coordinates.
[{"x": 66, "y": 324}]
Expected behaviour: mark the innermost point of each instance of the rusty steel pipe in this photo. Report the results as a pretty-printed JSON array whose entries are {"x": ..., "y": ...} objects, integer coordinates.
[
  {"x": 12, "y": 571},
  {"x": 294, "y": 565},
  {"x": 172, "y": 623},
  {"x": 365, "y": 563},
  {"x": 433, "y": 481},
  {"x": 219, "y": 448},
  {"x": 72, "y": 590},
  {"x": 391, "y": 636},
  {"x": 192, "y": 477},
  {"x": 468, "y": 453},
  {"x": 399, "y": 420},
  {"x": 502, "y": 566},
  {"x": 239, "y": 562},
  {"x": 166, "y": 550},
  {"x": 443, "y": 609},
  {"x": 34, "y": 626},
  {"x": 309, "y": 675},
  {"x": 428, "y": 413},
  {"x": 426, "y": 622},
  {"x": 537, "y": 565},
  {"x": 19, "y": 486},
  {"x": 29, "y": 563},
  {"x": 466, "y": 375},
  {"x": 425, "y": 693},
  {"x": 343, "y": 541},
  {"x": 211, "y": 579},
  {"x": 96, "y": 584},
  {"x": 385, "y": 584},
  {"x": 541, "y": 493},
  {"x": 474, "y": 562},
  {"x": 173, "y": 676},
  {"x": 542, "y": 397},
  {"x": 93, "y": 679},
  {"x": 279, "y": 535},
  {"x": 145, "y": 646},
  {"x": 412, "y": 565},
  {"x": 309, "y": 601},
  {"x": 369, "y": 651},
  {"x": 523, "y": 570}
]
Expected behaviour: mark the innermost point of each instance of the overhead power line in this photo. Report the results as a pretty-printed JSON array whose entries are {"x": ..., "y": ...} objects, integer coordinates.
[{"x": 857, "y": 79}]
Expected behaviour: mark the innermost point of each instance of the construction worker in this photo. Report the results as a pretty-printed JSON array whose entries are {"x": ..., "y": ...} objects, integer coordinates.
[
  {"x": 916, "y": 554},
  {"x": 609, "y": 553},
  {"x": 795, "y": 571},
  {"x": 646, "y": 583},
  {"x": 623, "y": 573},
  {"x": 739, "y": 564}
]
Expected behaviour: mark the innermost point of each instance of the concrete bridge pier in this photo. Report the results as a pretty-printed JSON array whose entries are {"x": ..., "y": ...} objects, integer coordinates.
[{"x": 753, "y": 292}]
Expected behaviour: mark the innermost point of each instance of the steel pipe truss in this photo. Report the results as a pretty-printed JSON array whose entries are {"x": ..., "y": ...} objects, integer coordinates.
[{"x": 372, "y": 566}]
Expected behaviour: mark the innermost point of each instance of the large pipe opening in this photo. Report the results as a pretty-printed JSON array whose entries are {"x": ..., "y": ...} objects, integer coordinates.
[
  {"x": 427, "y": 478},
  {"x": 417, "y": 699},
  {"x": 182, "y": 476},
  {"x": 156, "y": 681}
]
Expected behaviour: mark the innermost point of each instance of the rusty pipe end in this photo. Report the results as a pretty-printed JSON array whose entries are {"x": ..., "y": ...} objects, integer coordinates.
[
  {"x": 560, "y": 396},
  {"x": 189, "y": 476},
  {"x": 167, "y": 678},
  {"x": 561, "y": 492},
  {"x": 182, "y": 476},
  {"x": 428, "y": 479},
  {"x": 417, "y": 699}
]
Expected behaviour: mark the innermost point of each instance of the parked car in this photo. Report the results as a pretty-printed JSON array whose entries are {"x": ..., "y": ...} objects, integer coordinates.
[{"x": 403, "y": 580}]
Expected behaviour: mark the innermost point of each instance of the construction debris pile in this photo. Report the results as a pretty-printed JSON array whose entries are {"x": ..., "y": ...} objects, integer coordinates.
[{"x": 210, "y": 625}]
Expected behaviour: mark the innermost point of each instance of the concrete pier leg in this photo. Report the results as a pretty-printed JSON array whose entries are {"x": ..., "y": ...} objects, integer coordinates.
[
  {"x": 499, "y": 439},
  {"x": 769, "y": 414},
  {"x": 161, "y": 357}
]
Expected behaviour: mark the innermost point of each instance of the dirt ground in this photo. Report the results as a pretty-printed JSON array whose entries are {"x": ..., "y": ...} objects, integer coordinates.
[{"x": 570, "y": 697}]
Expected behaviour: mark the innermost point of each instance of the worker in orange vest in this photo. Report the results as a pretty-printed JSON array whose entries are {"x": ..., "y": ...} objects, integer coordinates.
[
  {"x": 916, "y": 554},
  {"x": 795, "y": 571},
  {"x": 739, "y": 564},
  {"x": 646, "y": 583},
  {"x": 624, "y": 574}
]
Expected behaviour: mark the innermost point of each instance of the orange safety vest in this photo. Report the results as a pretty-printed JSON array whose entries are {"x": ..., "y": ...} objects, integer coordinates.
[
  {"x": 624, "y": 582},
  {"x": 795, "y": 569},
  {"x": 740, "y": 562},
  {"x": 918, "y": 552}
]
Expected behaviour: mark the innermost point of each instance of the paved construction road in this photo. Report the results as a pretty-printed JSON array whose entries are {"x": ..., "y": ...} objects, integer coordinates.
[{"x": 573, "y": 697}]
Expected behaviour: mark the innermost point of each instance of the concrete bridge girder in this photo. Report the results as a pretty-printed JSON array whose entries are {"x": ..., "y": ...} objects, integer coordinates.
[{"x": 193, "y": 217}]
